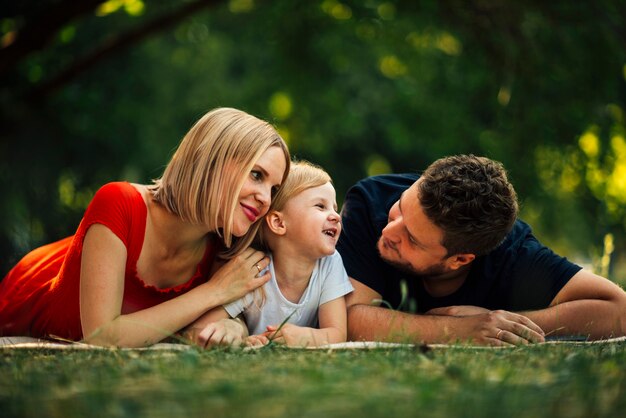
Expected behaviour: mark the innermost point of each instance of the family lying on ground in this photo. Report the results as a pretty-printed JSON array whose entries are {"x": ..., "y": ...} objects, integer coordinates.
[{"x": 235, "y": 239}]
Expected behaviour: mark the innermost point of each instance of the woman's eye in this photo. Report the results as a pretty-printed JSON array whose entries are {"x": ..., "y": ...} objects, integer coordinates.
[{"x": 256, "y": 175}]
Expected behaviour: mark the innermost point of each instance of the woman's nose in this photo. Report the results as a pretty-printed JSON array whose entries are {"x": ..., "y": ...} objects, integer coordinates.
[{"x": 264, "y": 196}]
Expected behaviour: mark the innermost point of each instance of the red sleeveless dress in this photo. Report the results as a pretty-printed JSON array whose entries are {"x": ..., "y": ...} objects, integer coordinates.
[{"x": 39, "y": 297}]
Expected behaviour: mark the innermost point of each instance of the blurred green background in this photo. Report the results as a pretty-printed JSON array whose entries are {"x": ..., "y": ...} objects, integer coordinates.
[{"x": 97, "y": 91}]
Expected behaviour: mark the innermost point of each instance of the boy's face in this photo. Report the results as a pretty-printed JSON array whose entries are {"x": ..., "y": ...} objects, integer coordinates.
[{"x": 312, "y": 222}]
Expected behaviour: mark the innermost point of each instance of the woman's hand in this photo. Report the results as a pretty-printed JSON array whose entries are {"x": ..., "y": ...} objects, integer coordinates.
[{"x": 240, "y": 275}]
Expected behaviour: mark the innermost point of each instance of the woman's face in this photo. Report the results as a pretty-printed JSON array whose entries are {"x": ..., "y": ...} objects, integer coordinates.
[{"x": 258, "y": 188}]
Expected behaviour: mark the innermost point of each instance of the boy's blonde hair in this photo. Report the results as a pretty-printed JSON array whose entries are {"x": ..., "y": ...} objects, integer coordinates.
[
  {"x": 302, "y": 175},
  {"x": 202, "y": 181}
]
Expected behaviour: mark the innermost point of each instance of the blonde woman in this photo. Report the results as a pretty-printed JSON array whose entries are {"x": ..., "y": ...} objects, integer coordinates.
[
  {"x": 148, "y": 260},
  {"x": 308, "y": 281}
]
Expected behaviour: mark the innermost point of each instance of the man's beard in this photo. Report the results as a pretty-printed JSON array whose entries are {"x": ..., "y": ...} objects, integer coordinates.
[{"x": 427, "y": 273}]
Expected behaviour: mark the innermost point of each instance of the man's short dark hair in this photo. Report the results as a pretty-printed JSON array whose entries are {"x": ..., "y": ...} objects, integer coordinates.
[{"x": 471, "y": 200}]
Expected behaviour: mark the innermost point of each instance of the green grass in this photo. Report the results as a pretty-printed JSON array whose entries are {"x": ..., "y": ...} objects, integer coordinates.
[{"x": 536, "y": 381}]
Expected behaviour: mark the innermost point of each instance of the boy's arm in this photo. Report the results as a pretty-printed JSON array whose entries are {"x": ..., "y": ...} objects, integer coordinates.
[
  {"x": 216, "y": 328},
  {"x": 333, "y": 328},
  {"x": 333, "y": 320}
]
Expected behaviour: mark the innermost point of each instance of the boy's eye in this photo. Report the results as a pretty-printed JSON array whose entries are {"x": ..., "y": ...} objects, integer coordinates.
[
  {"x": 320, "y": 205},
  {"x": 274, "y": 190}
]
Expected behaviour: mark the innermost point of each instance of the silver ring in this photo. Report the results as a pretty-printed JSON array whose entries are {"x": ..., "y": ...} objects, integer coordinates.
[{"x": 498, "y": 334}]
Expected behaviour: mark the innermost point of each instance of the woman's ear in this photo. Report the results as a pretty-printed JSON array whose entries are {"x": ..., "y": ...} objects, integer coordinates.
[{"x": 275, "y": 222}]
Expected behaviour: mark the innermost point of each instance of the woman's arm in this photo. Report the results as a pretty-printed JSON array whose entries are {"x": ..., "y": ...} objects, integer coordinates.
[
  {"x": 102, "y": 290},
  {"x": 333, "y": 328}
]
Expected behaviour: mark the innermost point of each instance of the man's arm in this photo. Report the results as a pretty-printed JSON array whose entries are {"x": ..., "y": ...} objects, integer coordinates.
[
  {"x": 368, "y": 322},
  {"x": 588, "y": 305}
]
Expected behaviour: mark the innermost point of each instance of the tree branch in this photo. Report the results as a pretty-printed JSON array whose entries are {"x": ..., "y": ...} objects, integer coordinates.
[
  {"x": 37, "y": 33},
  {"x": 115, "y": 43}
]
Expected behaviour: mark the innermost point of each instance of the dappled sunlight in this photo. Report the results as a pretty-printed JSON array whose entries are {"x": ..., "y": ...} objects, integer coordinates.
[
  {"x": 442, "y": 41},
  {"x": 67, "y": 34},
  {"x": 605, "y": 261},
  {"x": 559, "y": 171},
  {"x": 377, "y": 164},
  {"x": 359, "y": 87},
  {"x": 9, "y": 32},
  {"x": 241, "y": 6},
  {"x": 280, "y": 105},
  {"x": 336, "y": 9},
  {"x": 504, "y": 96},
  {"x": 285, "y": 133},
  {"x": 69, "y": 196},
  {"x": 132, "y": 7},
  {"x": 603, "y": 172},
  {"x": 589, "y": 143},
  {"x": 386, "y": 11},
  {"x": 365, "y": 31},
  {"x": 392, "y": 67}
]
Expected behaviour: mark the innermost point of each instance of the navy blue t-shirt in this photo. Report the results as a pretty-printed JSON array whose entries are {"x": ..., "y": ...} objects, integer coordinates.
[{"x": 521, "y": 274}]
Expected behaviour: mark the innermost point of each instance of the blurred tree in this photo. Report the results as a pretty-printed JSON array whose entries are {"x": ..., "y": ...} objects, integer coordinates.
[{"x": 360, "y": 87}]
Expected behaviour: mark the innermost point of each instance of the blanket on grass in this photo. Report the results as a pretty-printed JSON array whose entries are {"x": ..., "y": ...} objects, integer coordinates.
[{"x": 37, "y": 343}]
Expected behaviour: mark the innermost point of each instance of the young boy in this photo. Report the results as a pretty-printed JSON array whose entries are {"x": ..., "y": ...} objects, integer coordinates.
[{"x": 308, "y": 282}]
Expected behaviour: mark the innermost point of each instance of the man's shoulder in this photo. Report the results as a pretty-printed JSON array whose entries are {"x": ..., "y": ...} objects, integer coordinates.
[
  {"x": 520, "y": 234},
  {"x": 385, "y": 182},
  {"x": 379, "y": 192}
]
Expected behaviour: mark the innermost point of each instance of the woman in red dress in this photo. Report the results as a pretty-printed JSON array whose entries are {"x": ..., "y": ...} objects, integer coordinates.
[{"x": 148, "y": 260}]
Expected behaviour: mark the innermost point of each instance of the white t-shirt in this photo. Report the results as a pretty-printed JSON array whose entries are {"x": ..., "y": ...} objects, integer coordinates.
[{"x": 329, "y": 281}]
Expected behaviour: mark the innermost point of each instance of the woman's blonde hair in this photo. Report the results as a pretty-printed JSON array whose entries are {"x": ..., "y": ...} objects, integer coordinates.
[
  {"x": 202, "y": 181},
  {"x": 302, "y": 175}
]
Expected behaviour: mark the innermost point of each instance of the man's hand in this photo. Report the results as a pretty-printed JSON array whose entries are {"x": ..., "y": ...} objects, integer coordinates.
[
  {"x": 371, "y": 323},
  {"x": 503, "y": 328}
]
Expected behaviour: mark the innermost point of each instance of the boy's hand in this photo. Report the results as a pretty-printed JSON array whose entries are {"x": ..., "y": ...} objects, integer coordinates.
[
  {"x": 291, "y": 335},
  {"x": 256, "y": 341},
  {"x": 225, "y": 332}
]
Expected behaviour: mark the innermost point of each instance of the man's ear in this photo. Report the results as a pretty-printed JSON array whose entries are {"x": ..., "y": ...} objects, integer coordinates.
[
  {"x": 275, "y": 222},
  {"x": 459, "y": 260}
]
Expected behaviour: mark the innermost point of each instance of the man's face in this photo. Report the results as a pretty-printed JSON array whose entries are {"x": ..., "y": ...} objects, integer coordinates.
[{"x": 410, "y": 241}]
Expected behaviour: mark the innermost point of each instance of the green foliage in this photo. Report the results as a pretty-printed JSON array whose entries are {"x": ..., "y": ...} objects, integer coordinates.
[
  {"x": 358, "y": 87},
  {"x": 533, "y": 381}
]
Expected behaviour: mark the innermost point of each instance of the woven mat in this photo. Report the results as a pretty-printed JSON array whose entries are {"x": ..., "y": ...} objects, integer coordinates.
[{"x": 7, "y": 343}]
